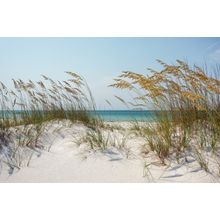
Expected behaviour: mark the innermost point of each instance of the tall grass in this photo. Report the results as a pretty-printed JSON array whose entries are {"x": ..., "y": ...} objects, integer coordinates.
[
  {"x": 188, "y": 101},
  {"x": 26, "y": 108}
]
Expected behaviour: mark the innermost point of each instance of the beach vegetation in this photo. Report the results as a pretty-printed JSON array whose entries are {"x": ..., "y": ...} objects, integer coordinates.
[
  {"x": 29, "y": 106},
  {"x": 186, "y": 100}
]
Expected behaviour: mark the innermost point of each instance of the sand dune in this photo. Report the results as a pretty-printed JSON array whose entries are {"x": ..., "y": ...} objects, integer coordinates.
[{"x": 69, "y": 161}]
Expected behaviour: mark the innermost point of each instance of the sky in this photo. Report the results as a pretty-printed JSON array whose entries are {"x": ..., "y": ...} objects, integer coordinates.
[{"x": 99, "y": 60}]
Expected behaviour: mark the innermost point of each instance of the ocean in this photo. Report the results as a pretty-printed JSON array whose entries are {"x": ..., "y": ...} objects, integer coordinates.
[
  {"x": 123, "y": 115},
  {"x": 119, "y": 115}
]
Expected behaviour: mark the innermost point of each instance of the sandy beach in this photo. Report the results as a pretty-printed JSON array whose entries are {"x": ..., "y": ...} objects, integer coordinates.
[{"x": 65, "y": 157}]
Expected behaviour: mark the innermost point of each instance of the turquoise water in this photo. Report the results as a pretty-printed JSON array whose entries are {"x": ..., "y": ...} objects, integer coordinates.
[
  {"x": 123, "y": 115},
  {"x": 119, "y": 115}
]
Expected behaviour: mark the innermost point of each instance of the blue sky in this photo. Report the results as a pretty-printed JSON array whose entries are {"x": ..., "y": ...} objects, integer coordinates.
[{"x": 99, "y": 60}]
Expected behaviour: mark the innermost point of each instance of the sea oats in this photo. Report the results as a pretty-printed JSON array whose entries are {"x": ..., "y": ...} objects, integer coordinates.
[
  {"x": 213, "y": 89},
  {"x": 192, "y": 96},
  {"x": 120, "y": 99},
  {"x": 53, "y": 97},
  {"x": 67, "y": 84},
  {"x": 122, "y": 84},
  {"x": 162, "y": 63},
  {"x": 176, "y": 87},
  {"x": 41, "y": 84},
  {"x": 45, "y": 78},
  {"x": 15, "y": 83},
  {"x": 201, "y": 76},
  {"x": 70, "y": 90},
  {"x": 3, "y": 86},
  {"x": 74, "y": 75},
  {"x": 152, "y": 71},
  {"x": 13, "y": 93}
]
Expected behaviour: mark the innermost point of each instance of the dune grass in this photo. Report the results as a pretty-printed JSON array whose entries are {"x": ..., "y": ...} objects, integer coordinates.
[
  {"x": 25, "y": 110},
  {"x": 188, "y": 100},
  {"x": 186, "y": 123}
]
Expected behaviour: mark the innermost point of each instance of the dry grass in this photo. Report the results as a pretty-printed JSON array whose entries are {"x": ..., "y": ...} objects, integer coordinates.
[
  {"x": 187, "y": 121},
  {"x": 25, "y": 109},
  {"x": 189, "y": 109}
]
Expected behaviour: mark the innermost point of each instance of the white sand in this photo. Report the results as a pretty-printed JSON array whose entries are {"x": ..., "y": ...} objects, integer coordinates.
[{"x": 68, "y": 162}]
